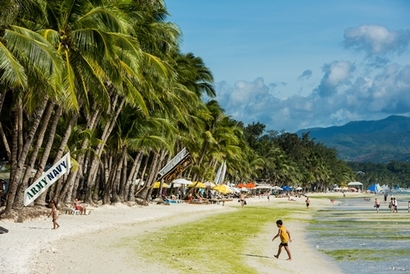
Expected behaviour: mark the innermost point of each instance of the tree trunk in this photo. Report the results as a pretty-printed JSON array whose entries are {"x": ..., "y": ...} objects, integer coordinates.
[
  {"x": 46, "y": 154},
  {"x": 123, "y": 192},
  {"x": 147, "y": 188},
  {"x": 145, "y": 166},
  {"x": 91, "y": 124},
  {"x": 104, "y": 137},
  {"x": 132, "y": 177},
  {"x": 34, "y": 154},
  {"x": 116, "y": 186},
  {"x": 60, "y": 153},
  {"x": 15, "y": 181}
]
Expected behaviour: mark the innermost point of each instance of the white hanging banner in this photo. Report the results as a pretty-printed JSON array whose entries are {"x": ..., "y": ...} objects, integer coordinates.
[
  {"x": 47, "y": 179},
  {"x": 174, "y": 162}
]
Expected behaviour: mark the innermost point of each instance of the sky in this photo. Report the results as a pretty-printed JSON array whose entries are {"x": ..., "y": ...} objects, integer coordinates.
[{"x": 294, "y": 65}]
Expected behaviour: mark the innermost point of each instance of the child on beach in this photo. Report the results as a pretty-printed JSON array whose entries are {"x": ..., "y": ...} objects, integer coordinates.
[
  {"x": 285, "y": 239},
  {"x": 54, "y": 213}
]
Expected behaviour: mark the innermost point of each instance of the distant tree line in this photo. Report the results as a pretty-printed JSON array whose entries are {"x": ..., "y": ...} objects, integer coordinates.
[
  {"x": 393, "y": 174},
  {"x": 287, "y": 159}
]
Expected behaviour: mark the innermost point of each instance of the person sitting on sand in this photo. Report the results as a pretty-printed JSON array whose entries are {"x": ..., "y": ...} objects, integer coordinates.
[
  {"x": 285, "y": 239},
  {"x": 188, "y": 198},
  {"x": 54, "y": 213},
  {"x": 77, "y": 206}
]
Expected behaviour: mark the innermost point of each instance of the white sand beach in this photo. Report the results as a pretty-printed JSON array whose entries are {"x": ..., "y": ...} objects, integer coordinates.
[{"x": 85, "y": 243}]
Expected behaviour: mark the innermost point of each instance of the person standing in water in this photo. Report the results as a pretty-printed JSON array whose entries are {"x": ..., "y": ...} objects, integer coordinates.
[
  {"x": 377, "y": 205},
  {"x": 307, "y": 202},
  {"x": 285, "y": 239}
]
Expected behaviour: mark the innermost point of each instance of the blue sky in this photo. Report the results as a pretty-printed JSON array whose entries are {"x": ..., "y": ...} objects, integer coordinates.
[{"x": 300, "y": 64}]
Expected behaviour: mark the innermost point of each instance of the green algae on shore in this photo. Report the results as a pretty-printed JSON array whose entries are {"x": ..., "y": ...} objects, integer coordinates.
[{"x": 220, "y": 237}]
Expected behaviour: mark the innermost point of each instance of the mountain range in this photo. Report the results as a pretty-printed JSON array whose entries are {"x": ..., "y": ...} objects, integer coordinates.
[{"x": 380, "y": 141}]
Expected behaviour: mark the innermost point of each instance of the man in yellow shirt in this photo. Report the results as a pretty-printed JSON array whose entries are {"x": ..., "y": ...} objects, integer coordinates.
[{"x": 285, "y": 239}]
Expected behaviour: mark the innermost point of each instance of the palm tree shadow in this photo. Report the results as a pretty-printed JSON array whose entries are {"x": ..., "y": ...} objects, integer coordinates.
[{"x": 255, "y": 255}]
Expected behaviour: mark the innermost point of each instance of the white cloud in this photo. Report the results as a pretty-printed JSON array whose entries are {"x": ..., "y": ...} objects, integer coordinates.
[
  {"x": 364, "y": 98},
  {"x": 306, "y": 74},
  {"x": 336, "y": 74},
  {"x": 376, "y": 39},
  {"x": 347, "y": 91}
]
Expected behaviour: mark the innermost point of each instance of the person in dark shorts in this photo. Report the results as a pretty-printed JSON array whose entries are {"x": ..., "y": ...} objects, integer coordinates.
[
  {"x": 307, "y": 202},
  {"x": 377, "y": 205},
  {"x": 285, "y": 239}
]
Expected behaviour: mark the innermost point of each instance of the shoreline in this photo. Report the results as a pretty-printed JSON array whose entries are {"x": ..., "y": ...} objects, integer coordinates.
[{"x": 33, "y": 247}]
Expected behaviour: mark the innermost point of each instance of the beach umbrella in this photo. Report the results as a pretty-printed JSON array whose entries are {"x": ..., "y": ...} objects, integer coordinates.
[
  {"x": 277, "y": 188},
  {"x": 299, "y": 188},
  {"x": 210, "y": 184},
  {"x": 197, "y": 185},
  {"x": 264, "y": 187},
  {"x": 182, "y": 181},
  {"x": 250, "y": 185},
  {"x": 375, "y": 188},
  {"x": 224, "y": 189},
  {"x": 286, "y": 188},
  {"x": 158, "y": 184}
]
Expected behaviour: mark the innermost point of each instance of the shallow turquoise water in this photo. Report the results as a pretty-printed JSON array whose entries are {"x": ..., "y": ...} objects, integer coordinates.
[{"x": 361, "y": 240}]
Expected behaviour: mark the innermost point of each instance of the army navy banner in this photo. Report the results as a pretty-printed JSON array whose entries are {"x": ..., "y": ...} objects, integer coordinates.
[{"x": 47, "y": 179}]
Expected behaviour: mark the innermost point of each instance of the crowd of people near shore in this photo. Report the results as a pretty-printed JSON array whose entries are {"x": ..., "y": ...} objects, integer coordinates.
[{"x": 393, "y": 204}]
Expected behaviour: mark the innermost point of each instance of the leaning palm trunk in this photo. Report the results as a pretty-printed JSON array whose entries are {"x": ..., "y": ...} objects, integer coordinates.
[
  {"x": 60, "y": 153},
  {"x": 132, "y": 177},
  {"x": 65, "y": 195},
  {"x": 109, "y": 174},
  {"x": 2, "y": 134},
  {"x": 46, "y": 153},
  {"x": 123, "y": 190},
  {"x": 116, "y": 185},
  {"x": 91, "y": 125},
  {"x": 140, "y": 185},
  {"x": 155, "y": 167},
  {"x": 99, "y": 150},
  {"x": 34, "y": 154},
  {"x": 18, "y": 167},
  {"x": 144, "y": 192}
]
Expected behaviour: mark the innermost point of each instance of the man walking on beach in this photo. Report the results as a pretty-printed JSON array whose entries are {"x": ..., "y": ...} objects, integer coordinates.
[{"x": 285, "y": 239}]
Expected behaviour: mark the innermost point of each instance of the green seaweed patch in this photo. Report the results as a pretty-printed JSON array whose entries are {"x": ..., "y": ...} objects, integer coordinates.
[
  {"x": 221, "y": 237},
  {"x": 364, "y": 254},
  {"x": 355, "y": 254}
]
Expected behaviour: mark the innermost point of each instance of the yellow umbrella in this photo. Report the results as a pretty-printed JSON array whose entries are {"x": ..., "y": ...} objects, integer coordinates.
[
  {"x": 197, "y": 185},
  {"x": 224, "y": 189},
  {"x": 157, "y": 184}
]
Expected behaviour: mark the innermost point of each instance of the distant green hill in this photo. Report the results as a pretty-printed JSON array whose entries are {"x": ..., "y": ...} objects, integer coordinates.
[{"x": 379, "y": 141}]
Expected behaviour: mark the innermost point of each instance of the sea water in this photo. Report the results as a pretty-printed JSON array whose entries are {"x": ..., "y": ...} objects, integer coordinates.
[{"x": 360, "y": 240}]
